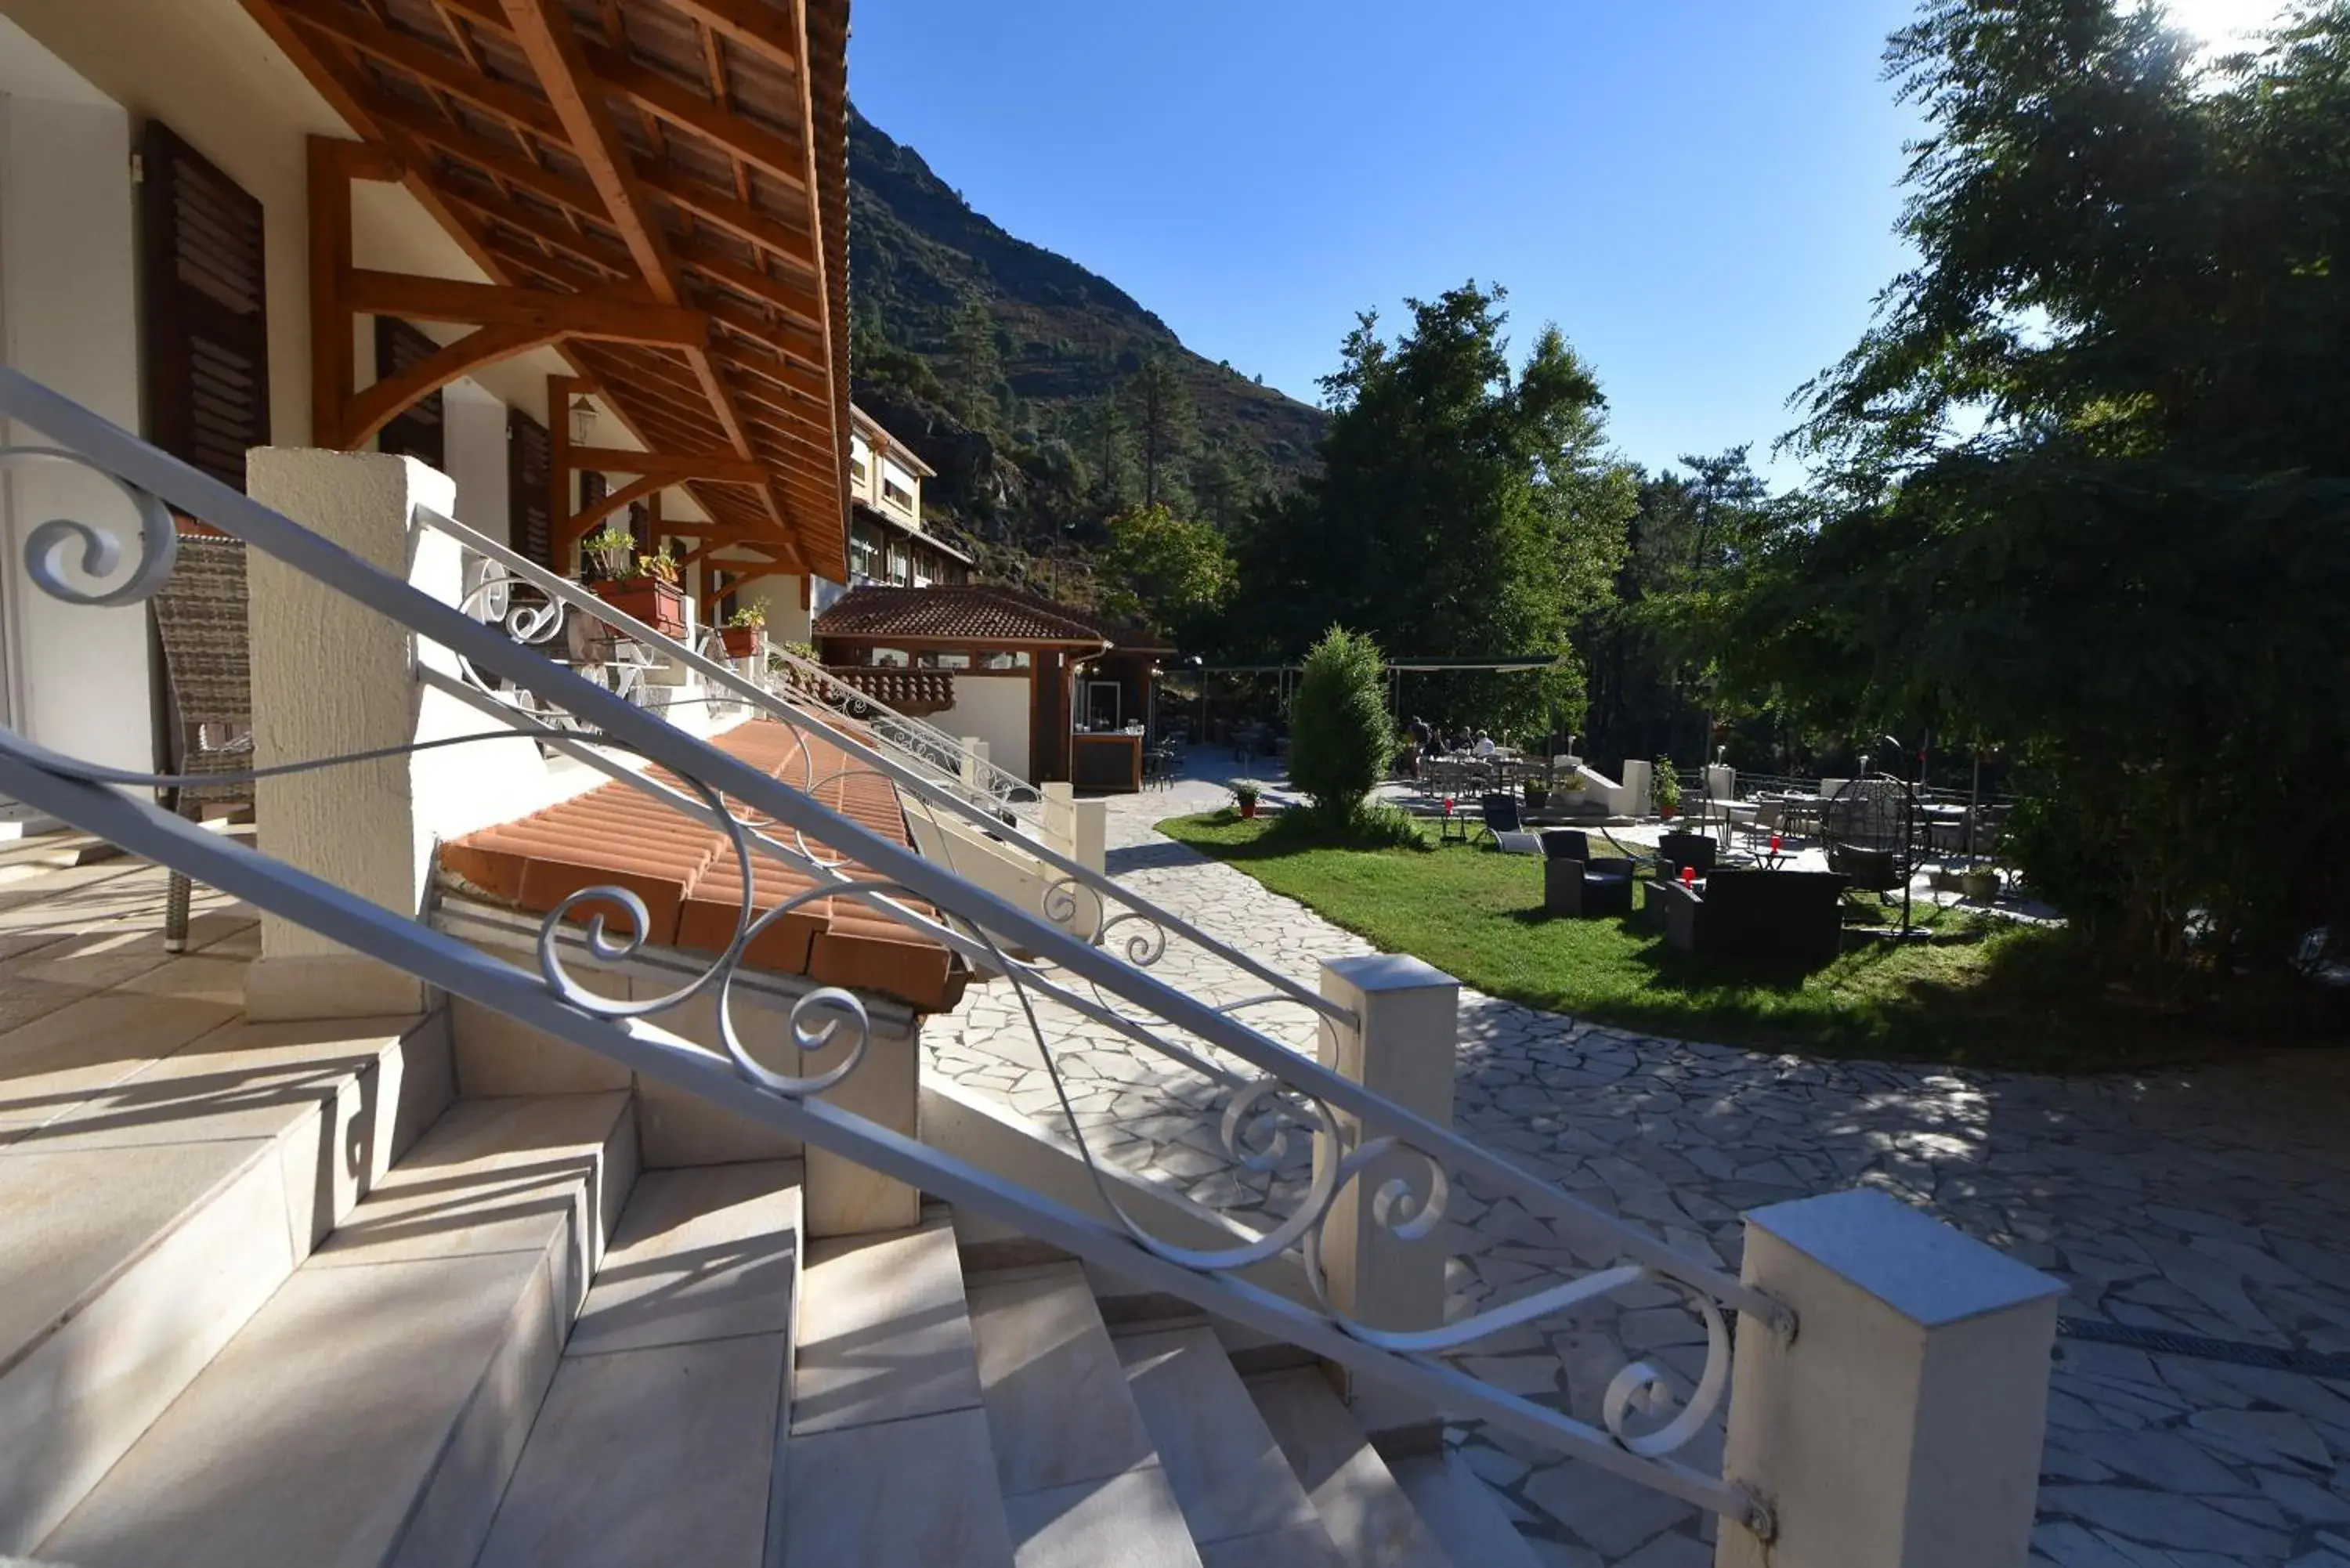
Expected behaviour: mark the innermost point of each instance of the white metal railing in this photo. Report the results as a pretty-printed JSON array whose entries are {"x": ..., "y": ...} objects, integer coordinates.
[
  {"x": 982, "y": 780},
  {"x": 1082, "y": 898},
  {"x": 1274, "y": 1090}
]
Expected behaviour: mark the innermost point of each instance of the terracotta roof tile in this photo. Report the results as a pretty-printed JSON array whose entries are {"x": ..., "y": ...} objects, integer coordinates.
[
  {"x": 980, "y": 612},
  {"x": 914, "y": 692},
  {"x": 691, "y": 882}
]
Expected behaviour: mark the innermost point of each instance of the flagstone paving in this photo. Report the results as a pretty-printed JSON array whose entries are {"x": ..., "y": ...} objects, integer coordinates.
[{"x": 2205, "y": 1203}]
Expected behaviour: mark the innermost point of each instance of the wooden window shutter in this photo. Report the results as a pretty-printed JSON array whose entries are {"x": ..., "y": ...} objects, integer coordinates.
[
  {"x": 417, "y": 431},
  {"x": 529, "y": 456},
  {"x": 206, "y": 305}
]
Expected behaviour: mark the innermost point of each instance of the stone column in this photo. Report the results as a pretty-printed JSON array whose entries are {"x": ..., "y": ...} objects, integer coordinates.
[
  {"x": 331, "y": 677},
  {"x": 1901, "y": 1427},
  {"x": 1407, "y": 1021}
]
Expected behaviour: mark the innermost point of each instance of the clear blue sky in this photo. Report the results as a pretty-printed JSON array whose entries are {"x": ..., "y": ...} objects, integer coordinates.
[{"x": 1699, "y": 193}]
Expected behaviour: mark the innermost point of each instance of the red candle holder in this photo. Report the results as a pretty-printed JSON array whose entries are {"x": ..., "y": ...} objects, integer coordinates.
[
  {"x": 1775, "y": 844},
  {"x": 1688, "y": 876}
]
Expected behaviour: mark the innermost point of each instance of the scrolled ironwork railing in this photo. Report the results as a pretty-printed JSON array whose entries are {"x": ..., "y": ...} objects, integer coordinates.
[
  {"x": 1272, "y": 1094},
  {"x": 1076, "y": 897}
]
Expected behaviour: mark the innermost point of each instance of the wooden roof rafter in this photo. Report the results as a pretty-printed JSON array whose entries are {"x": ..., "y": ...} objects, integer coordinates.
[{"x": 686, "y": 153}]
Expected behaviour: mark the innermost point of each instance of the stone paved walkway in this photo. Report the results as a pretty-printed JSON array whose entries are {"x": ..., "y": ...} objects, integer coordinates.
[{"x": 2208, "y": 1203}]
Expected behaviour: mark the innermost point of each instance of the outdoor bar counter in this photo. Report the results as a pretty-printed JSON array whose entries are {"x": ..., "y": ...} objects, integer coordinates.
[{"x": 1111, "y": 764}]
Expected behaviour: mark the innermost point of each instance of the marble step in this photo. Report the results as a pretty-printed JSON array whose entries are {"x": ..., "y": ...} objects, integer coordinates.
[
  {"x": 1462, "y": 1512},
  {"x": 659, "y": 1437},
  {"x": 369, "y": 1414},
  {"x": 1242, "y": 1503},
  {"x": 1082, "y": 1485},
  {"x": 885, "y": 1389},
  {"x": 162, "y": 1173},
  {"x": 1370, "y": 1519}
]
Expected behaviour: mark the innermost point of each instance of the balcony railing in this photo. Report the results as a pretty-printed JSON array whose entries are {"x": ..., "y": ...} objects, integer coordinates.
[{"x": 1270, "y": 1093}]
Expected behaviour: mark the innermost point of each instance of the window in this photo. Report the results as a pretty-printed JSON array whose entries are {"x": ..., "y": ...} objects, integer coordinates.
[
  {"x": 897, "y": 494},
  {"x": 934, "y": 660},
  {"x": 416, "y": 431},
  {"x": 864, "y": 557},
  {"x": 1003, "y": 661},
  {"x": 901, "y": 562},
  {"x": 888, "y": 659},
  {"x": 205, "y": 328}
]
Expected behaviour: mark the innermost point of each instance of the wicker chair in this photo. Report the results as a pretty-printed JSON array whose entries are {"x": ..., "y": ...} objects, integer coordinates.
[{"x": 200, "y": 614}]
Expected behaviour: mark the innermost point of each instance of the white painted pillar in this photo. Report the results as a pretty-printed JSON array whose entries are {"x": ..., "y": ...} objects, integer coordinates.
[
  {"x": 1077, "y": 828},
  {"x": 1639, "y": 788},
  {"x": 1901, "y": 1427},
  {"x": 330, "y": 678},
  {"x": 1407, "y": 1023}
]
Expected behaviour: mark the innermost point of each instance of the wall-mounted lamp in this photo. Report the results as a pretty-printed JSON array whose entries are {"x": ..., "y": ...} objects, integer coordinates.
[{"x": 583, "y": 421}]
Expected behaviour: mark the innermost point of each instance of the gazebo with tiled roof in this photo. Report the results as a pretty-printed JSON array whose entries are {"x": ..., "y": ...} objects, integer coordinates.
[{"x": 992, "y": 629}]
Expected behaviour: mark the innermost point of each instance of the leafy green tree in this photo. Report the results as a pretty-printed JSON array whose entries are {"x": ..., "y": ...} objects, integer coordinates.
[
  {"x": 1156, "y": 407},
  {"x": 976, "y": 358},
  {"x": 1466, "y": 508},
  {"x": 2088, "y": 477},
  {"x": 1340, "y": 736},
  {"x": 1167, "y": 572}
]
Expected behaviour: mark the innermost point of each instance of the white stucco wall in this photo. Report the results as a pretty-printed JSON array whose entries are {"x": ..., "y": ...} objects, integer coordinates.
[
  {"x": 786, "y": 621},
  {"x": 76, "y": 678},
  {"x": 473, "y": 428},
  {"x": 994, "y": 708}
]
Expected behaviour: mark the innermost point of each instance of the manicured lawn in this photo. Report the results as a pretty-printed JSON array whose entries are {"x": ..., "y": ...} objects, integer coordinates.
[{"x": 1984, "y": 993}]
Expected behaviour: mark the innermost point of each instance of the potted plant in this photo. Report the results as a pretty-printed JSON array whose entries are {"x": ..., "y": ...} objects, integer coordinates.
[
  {"x": 1667, "y": 789},
  {"x": 745, "y": 632},
  {"x": 1245, "y": 795},
  {"x": 1537, "y": 794},
  {"x": 1980, "y": 883},
  {"x": 649, "y": 592},
  {"x": 611, "y": 551}
]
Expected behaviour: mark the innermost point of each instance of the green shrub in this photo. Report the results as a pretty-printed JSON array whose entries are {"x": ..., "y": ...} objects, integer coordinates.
[
  {"x": 1339, "y": 735},
  {"x": 1376, "y": 825}
]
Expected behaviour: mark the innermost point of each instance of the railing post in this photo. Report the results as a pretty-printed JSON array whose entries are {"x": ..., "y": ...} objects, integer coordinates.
[
  {"x": 330, "y": 678},
  {"x": 1077, "y": 828},
  {"x": 974, "y": 760},
  {"x": 1407, "y": 1019},
  {"x": 1901, "y": 1427}
]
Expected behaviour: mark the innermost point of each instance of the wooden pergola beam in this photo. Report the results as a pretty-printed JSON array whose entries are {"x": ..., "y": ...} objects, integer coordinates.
[
  {"x": 601, "y": 315},
  {"x": 441, "y": 69},
  {"x": 674, "y": 468},
  {"x": 838, "y": 425},
  {"x": 778, "y": 155},
  {"x": 542, "y": 30},
  {"x": 422, "y": 134},
  {"x": 577, "y": 527},
  {"x": 376, "y": 406},
  {"x": 723, "y": 209}
]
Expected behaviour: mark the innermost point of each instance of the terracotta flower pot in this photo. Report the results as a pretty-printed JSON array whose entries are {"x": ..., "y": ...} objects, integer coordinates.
[
  {"x": 660, "y": 605},
  {"x": 742, "y": 641},
  {"x": 1248, "y": 808}
]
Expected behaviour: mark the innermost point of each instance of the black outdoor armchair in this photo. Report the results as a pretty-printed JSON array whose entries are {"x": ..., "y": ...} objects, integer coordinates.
[
  {"x": 1746, "y": 913},
  {"x": 1694, "y": 850},
  {"x": 1576, "y": 885}
]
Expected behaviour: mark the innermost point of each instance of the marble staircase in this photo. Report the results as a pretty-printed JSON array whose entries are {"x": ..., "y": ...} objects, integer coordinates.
[{"x": 282, "y": 1294}]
